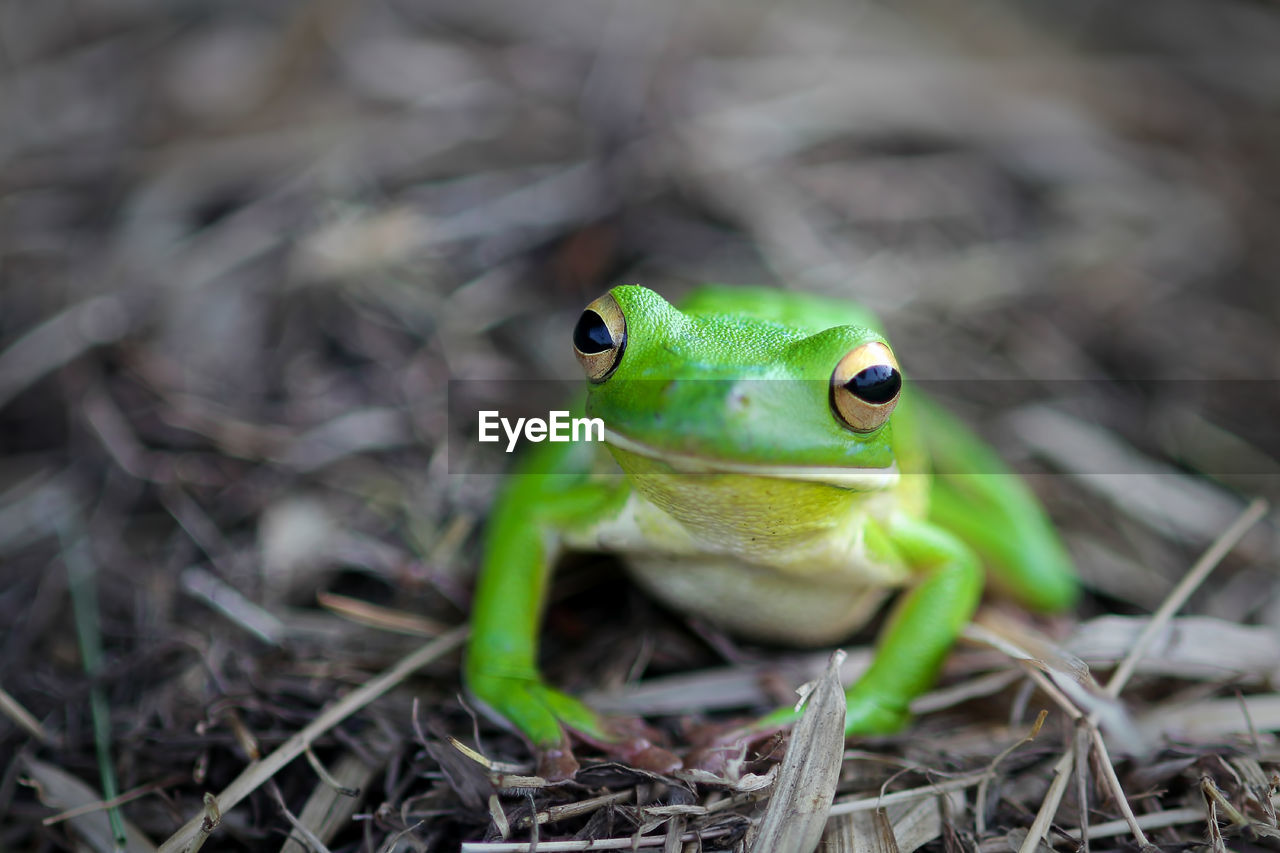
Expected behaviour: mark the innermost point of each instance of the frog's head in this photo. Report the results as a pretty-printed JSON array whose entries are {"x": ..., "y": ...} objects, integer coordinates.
[{"x": 731, "y": 394}]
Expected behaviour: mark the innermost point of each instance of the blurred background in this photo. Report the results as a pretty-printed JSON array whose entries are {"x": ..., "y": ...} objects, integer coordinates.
[{"x": 244, "y": 247}]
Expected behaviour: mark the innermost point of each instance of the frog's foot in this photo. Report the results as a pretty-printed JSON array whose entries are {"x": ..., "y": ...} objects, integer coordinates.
[
  {"x": 557, "y": 763},
  {"x": 546, "y": 716},
  {"x": 724, "y": 750},
  {"x": 540, "y": 713},
  {"x": 719, "y": 750},
  {"x": 866, "y": 713}
]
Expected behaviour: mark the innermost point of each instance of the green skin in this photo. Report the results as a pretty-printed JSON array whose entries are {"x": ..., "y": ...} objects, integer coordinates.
[{"x": 748, "y": 497}]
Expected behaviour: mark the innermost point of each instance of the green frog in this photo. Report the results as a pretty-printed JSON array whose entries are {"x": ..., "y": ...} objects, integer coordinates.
[{"x": 765, "y": 468}]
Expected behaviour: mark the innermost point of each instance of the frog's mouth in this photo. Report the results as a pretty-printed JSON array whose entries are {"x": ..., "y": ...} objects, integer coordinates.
[{"x": 856, "y": 479}]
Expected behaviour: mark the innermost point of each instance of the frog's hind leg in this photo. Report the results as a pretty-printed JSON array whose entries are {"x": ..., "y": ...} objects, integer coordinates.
[{"x": 979, "y": 499}]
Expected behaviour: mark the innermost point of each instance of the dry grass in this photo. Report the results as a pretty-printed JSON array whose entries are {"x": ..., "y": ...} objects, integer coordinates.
[{"x": 244, "y": 249}]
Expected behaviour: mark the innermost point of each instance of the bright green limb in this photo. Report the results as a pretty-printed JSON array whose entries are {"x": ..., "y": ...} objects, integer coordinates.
[
  {"x": 978, "y": 498},
  {"x": 922, "y": 629},
  {"x": 501, "y": 664}
]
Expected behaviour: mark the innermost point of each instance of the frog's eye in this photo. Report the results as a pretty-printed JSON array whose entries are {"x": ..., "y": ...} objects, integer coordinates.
[
  {"x": 600, "y": 337},
  {"x": 865, "y": 387}
]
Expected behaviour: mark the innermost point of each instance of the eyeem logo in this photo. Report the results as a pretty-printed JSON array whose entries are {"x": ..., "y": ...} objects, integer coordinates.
[{"x": 557, "y": 427}]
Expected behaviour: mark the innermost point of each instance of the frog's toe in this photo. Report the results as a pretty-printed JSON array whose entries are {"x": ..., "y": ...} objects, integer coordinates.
[
  {"x": 643, "y": 754},
  {"x": 557, "y": 763},
  {"x": 547, "y": 716},
  {"x": 519, "y": 703},
  {"x": 571, "y": 713}
]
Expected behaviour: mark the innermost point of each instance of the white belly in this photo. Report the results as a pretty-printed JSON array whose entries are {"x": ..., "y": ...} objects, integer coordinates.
[
  {"x": 789, "y": 586},
  {"x": 758, "y": 602}
]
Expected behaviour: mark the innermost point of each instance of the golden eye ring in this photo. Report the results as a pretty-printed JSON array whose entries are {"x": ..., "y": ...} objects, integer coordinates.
[
  {"x": 865, "y": 387},
  {"x": 600, "y": 338}
]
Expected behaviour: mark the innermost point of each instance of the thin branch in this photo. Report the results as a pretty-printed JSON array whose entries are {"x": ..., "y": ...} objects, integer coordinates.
[
  {"x": 61, "y": 338},
  {"x": 260, "y": 771},
  {"x": 980, "y": 805},
  {"x": 23, "y": 719},
  {"x": 1179, "y": 595},
  {"x": 1155, "y": 820},
  {"x": 1049, "y": 807},
  {"x": 932, "y": 790},
  {"x": 1113, "y": 782}
]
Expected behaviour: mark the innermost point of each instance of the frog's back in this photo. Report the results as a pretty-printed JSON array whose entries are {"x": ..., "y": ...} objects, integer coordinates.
[{"x": 805, "y": 312}]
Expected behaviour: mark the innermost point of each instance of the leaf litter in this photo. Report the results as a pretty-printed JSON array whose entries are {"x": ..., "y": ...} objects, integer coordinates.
[{"x": 243, "y": 251}]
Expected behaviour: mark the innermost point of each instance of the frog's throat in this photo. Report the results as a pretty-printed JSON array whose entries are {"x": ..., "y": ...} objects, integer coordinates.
[{"x": 856, "y": 479}]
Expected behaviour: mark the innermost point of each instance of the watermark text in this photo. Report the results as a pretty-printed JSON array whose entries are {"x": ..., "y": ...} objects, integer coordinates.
[{"x": 557, "y": 426}]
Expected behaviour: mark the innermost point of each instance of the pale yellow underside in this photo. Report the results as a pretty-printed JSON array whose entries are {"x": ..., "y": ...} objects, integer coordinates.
[{"x": 771, "y": 557}]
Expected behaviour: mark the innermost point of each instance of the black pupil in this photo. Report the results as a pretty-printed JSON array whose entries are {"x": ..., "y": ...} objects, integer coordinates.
[
  {"x": 591, "y": 335},
  {"x": 876, "y": 384}
]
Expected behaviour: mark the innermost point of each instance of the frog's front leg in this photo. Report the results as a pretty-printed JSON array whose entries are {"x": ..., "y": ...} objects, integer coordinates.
[
  {"x": 919, "y": 633},
  {"x": 922, "y": 628},
  {"x": 522, "y": 542},
  {"x": 501, "y": 660}
]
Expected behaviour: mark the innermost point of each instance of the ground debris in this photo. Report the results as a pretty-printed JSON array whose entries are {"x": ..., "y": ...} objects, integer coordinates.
[{"x": 248, "y": 255}]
